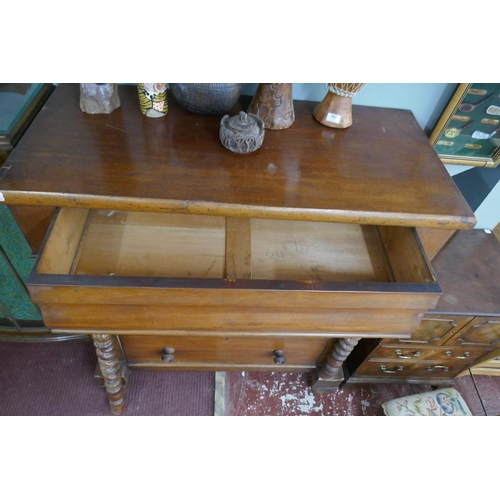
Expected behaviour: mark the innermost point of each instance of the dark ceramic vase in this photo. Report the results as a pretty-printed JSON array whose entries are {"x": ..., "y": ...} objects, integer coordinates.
[{"x": 206, "y": 98}]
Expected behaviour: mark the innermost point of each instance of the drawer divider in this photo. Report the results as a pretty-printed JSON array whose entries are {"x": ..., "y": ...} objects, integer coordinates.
[{"x": 238, "y": 249}]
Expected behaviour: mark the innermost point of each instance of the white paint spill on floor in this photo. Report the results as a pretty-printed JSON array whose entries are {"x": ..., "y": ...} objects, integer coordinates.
[{"x": 264, "y": 393}]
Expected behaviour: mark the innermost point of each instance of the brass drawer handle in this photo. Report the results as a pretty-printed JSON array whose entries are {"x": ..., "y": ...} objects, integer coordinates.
[
  {"x": 279, "y": 357},
  {"x": 437, "y": 367},
  {"x": 399, "y": 354},
  {"x": 386, "y": 370},
  {"x": 465, "y": 356},
  {"x": 168, "y": 354}
]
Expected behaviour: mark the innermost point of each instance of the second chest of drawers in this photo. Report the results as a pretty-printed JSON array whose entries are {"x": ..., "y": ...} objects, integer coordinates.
[{"x": 462, "y": 330}]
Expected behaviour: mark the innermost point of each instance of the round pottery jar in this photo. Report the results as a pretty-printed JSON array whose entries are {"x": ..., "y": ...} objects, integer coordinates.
[{"x": 206, "y": 98}]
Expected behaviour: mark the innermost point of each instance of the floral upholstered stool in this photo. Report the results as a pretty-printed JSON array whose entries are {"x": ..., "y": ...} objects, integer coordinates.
[{"x": 440, "y": 403}]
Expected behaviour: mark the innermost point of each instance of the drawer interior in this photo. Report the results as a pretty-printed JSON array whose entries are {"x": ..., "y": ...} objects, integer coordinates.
[
  {"x": 151, "y": 244},
  {"x": 316, "y": 251},
  {"x": 120, "y": 243}
]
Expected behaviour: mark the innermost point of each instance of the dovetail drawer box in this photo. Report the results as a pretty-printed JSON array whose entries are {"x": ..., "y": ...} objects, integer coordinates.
[{"x": 165, "y": 244}]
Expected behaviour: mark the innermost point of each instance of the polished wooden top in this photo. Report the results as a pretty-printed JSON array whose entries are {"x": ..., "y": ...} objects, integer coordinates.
[
  {"x": 382, "y": 170},
  {"x": 469, "y": 274}
]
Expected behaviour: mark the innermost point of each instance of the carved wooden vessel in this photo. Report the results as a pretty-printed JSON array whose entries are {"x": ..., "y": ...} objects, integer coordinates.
[
  {"x": 99, "y": 98},
  {"x": 335, "y": 110},
  {"x": 273, "y": 103}
]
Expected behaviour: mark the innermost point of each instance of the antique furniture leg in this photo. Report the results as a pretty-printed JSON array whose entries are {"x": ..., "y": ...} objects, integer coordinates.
[
  {"x": 330, "y": 375},
  {"x": 110, "y": 368},
  {"x": 124, "y": 369}
]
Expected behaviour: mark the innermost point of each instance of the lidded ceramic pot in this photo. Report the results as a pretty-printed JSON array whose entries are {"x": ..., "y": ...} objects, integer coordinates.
[{"x": 243, "y": 133}]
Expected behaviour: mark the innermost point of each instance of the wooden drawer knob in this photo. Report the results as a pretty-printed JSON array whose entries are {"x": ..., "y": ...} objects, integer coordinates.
[
  {"x": 279, "y": 358},
  {"x": 395, "y": 370},
  {"x": 168, "y": 354}
]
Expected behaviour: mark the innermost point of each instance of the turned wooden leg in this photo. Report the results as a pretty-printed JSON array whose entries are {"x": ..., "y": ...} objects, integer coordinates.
[
  {"x": 330, "y": 375},
  {"x": 124, "y": 369},
  {"x": 110, "y": 368}
]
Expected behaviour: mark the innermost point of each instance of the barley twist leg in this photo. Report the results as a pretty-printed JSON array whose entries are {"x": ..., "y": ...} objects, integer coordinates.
[
  {"x": 110, "y": 368},
  {"x": 342, "y": 349},
  {"x": 330, "y": 376}
]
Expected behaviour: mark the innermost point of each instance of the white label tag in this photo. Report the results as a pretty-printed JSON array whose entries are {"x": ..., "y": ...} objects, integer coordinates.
[
  {"x": 333, "y": 118},
  {"x": 1, "y": 197}
]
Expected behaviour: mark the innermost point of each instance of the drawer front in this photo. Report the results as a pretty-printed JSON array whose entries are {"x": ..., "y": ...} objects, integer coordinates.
[
  {"x": 437, "y": 329},
  {"x": 419, "y": 353},
  {"x": 482, "y": 331},
  {"x": 404, "y": 370},
  {"x": 197, "y": 349}
]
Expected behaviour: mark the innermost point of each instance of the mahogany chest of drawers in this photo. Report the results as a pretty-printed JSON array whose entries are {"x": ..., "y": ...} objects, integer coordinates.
[{"x": 172, "y": 252}]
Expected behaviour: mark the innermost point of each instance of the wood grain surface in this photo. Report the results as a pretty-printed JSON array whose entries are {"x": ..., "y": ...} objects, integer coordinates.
[
  {"x": 468, "y": 269},
  {"x": 382, "y": 170}
]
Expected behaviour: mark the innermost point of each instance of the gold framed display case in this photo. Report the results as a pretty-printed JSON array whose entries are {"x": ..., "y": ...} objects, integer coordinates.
[
  {"x": 19, "y": 104},
  {"x": 468, "y": 132}
]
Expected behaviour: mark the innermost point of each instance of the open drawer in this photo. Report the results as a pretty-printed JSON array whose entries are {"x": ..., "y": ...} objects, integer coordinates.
[{"x": 140, "y": 272}]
